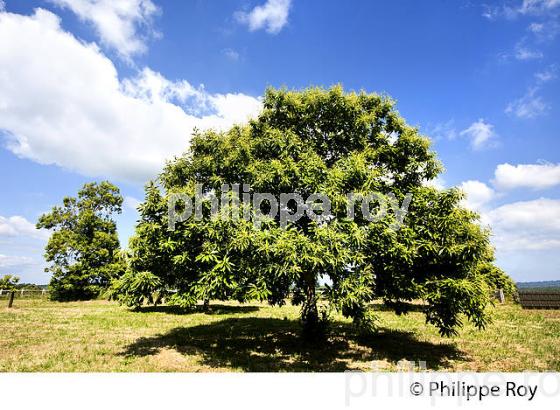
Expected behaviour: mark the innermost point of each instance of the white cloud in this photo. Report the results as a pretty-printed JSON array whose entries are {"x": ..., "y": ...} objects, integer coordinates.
[
  {"x": 526, "y": 225},
  {"x": 545, "y": 31},
  {"x": 443, "y": 130},
  {"x": 536, "y": 27},
  {"x": 131, "y": 203},
  {"x": 525, "y": 53},
  {"x": 19, "y": 226},
  {"x": 234, "y": 107},
  {"x": 117, "y": 23},
  {"x": 544, "y": 27},
  {"x": 15, "y": 261},
  {"x": 437, "y": 183},
  {"x": 478, "y": 194},
  {"x": 491, "y": 13},
  {"x": 522, "y": 51},
  {"x": 271, "y": 16},
  {"x": 480, "y": 133},
  {"x": 534, "y": 176},
  {"x": 546, "y": 75},
  {"x": 531, "y": 105},
  {"x": 21, "y": 246},
  {"x": 538, "y": 7},
  {"x": 61, "y": 102},
  {"x": 231, "y": 54},
  {"x": 526, "y": 234},
  {"x": 521, "y": 227},
  {"x": 526, "y": 7}
]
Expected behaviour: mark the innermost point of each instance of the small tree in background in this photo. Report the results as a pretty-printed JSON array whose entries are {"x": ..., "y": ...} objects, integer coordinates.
[
  {"x": 329, "y": 142},
  {"x": 9, "y": 282},
  {"x": 84, "y": 247}
]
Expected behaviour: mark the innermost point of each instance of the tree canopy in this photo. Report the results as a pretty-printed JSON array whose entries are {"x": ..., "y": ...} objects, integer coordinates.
[
  {"x": 306, "y": 143},
  {"x": 9, "y": 282},
  {"x": 84, "y": 247}
]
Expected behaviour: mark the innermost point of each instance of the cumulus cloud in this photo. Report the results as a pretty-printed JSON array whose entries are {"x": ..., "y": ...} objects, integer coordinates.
[
  {"x": 271, "y": 16},
  {"x": 437, "y": 183},
  {"x": 480, "y": 133},
  {"x": 478, "y": 194},
  {"x": 21, "y": 245},
  {"x": 61, "y": 102},
  {"x": 526, "y": 225},
  {"x": 19, "y": 226},
  {"x": 522, "y": 226},
  {"x": 121, "y": 25},
  {"x": 534, "y": 176},
  {"x": 522, "y": 231}
]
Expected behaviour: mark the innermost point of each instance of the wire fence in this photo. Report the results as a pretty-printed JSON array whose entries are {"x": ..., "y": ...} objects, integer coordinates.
[{"x": 24, "y": 293}]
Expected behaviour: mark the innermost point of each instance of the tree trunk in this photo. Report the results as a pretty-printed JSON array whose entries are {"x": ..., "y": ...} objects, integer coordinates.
[
  {"x": 312, "y": 329},
  {"x": 206, "y": 305},
  {"x": 11, "y": 299}
]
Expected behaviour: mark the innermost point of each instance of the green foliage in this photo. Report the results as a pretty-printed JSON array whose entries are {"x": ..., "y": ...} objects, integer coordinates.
[
  {"x": 9, "y": 282},
  {"x": 136, "y": 289},
  {"x": 448, "y": 299},
  {"x": 497, "y": 279},
  {"x": 334, "y": 143},
  {"x": 84, "y": 247}
]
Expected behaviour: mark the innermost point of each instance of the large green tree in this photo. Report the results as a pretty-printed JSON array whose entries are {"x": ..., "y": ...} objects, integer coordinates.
[
  {"x": 84, "y": 247},
  {"x": 310, "y": 142}
]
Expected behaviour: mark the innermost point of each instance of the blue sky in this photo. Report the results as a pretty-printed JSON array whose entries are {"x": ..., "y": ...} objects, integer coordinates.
[{"x": 100, "y": 89}]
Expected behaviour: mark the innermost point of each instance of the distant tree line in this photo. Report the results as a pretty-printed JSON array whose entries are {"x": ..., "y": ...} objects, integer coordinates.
[{"x": 9, "y": 282}]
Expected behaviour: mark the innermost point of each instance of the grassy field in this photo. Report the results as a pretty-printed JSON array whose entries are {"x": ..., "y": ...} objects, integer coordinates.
[{"x": 38, "y": 335}]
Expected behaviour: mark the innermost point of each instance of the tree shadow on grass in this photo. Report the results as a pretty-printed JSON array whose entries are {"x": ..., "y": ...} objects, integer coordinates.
[
  {"x": 408, "y": 307},
  {"x": 215, "y": 309},
  {"x": 273, "y": 345}
]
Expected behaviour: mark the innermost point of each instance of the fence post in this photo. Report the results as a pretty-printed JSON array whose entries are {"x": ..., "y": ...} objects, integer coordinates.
[
  {"x": 501, "y": 297},
  {"x": 11, "y": 300}
]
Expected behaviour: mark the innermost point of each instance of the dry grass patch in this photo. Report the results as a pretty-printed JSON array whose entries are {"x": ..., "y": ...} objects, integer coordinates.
[{"x": 39, "y": 335}]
